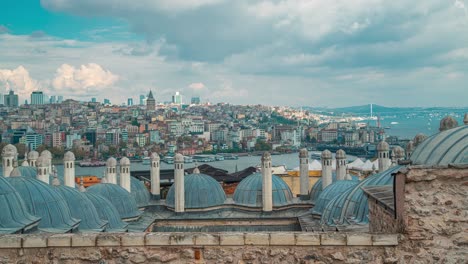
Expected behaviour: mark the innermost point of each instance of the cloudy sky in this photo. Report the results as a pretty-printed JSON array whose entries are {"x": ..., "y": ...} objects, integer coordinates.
[{"x": 276, "y": 52}]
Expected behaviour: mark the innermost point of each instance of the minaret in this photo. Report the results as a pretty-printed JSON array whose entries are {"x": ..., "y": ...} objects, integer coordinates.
[
  {"x": 409, "y": 149},
  {"x": 304, "y": 173},
  {"x": 125, "y": 174},
  {"x": 398, "y": 153},
  {"x": 326, "y": 168},
  {"x": 32, "y": 157},
  {"x": 383, "y": 155},
  {"x": 155, "y": 176},
  {"x": 179, "y": 183},
  {"x": 69, "y": 169},
  {"x": 340, "y": 165},
  {"x": 111, "y": 170},
  {"x": 267, "y": 192},
  {"x": 42, "y": 169},
  {"x": 46, "y": 154},
  {"x": 9, "y": 153}
]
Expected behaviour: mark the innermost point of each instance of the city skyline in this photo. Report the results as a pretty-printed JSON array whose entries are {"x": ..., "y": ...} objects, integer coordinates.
[{"x": 283, "y": 53}]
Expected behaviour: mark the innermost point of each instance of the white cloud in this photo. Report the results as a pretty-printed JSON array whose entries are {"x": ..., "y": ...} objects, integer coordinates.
[
  {"x": 19, "y": 81},
  {"x": 197, "y": 86}
]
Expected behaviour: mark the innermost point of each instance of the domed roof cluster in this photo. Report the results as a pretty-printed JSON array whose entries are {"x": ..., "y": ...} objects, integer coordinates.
[
  {"x": 330, "y": 192},
  {"x": 249, "y": 191},
  {"x": 200, "y": 190}
]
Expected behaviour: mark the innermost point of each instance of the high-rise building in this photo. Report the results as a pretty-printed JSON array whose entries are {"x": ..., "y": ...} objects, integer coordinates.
[
  {"x": 177, "y": 98},
  {"x": 53, "y": 99},
  {"x": 195, "y": 100},
  {"x": 59, "y": 99},
  {"x": 1, "y": 98},
  {"x": 150, "y": 102},
  {"x": 107, "y": 102},
  {"x": 93, "y": 100},
  {"x": 130, "y": 101},
  {"x": 142, "y": 99},
  {"x": 37, "y": 98},
  {"x": 11, "y": 99}
]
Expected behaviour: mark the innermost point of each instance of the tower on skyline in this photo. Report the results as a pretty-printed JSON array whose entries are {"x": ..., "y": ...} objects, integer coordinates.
[
  {"x": 177, "y": 98},
  {"x": 150, "y": 101}
]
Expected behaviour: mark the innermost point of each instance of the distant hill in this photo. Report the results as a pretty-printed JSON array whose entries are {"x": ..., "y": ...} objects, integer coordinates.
[{"x": 377, "y": 109}]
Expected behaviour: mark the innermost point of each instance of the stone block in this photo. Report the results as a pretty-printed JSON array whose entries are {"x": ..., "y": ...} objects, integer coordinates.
[
  {"x": 132, "y": 239},
  {"x": 333, "y": 239},
  {"x": 307, "y": 239},
  {"x": 231, "y": 239},
  {"x": 83, "y": 240},
  {"x": 385, "y": 240},
  {"x": 60, "y": 240},
  {"x": 108, "y": 240},
  {"x": 257, "y": 239},
  {"x": 359, "y": 240},
  {"x": 182, "y": 239},
  {"x": 207, "y": 239},
  {"x": 282, "y": 239},
  {"x": 34, "y": 241},
  {"x": 10, "y": 241},
  {"x": 157, "y": 239}
]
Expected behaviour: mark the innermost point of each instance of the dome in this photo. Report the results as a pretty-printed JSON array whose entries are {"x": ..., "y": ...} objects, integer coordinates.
[
  {"x": 33, "y": 155},
  {"x": 26, "y": 171},
  {"x": 9, "y": 151},
  {"x": 155, "y": 156},
  {"x": 178, "y": 158},
  {"x": 46, "y": 154},
  {"x": 120, "y": 198},
  {"x": 326, "y": 154},
  {"x": 69, "y": 156},
  {"x": 43, "y": 201},
  {"x": 317, "y": 187},
  {"x": 42, "y": 162},
  {"x": 124, "y": 161},
  {"x": 82, "y": 208},
  {"x": 340, "y": 154},
  {"x": 303, "y": 153},
  {"x": 25, "y": 163},
  {"x": 410, "y": 146},
  {"x": 111, "y": 162},
  {"x": 139, "y": 192},
  {"x": 266, "y": 156},
  {"x": 249, "y": 191},
  {"x": 107, "y": 212},
  {"x": 383, "y": 146},
  {"x": 447, "y": 123},
  {"x": 398, "y": 152},
  {"x": 200, "y": 190},
  {"x": 446, "y": 147},
  {"x": 418, "y": 139},
  {"x": 15, "y": 216},
  {"x": 330, "y": 192}
]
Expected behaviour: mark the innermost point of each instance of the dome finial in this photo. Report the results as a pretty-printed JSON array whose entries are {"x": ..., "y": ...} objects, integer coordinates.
[
  {"x": 196, "y": 170},
  {"x": 447, "y": 123},
  {"x": 81, "y": 188},
  {"x": 55, "y": 181}
]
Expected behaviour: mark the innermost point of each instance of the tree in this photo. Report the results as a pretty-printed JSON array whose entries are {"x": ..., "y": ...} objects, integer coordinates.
[
  {"x": 57, "y": 152},
  {"x": 21, "y": 148}
]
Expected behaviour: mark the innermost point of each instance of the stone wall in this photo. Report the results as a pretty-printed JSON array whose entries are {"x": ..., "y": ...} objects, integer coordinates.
[
  {"x": 199, "y": 248},
  {"x": 383, "y": 221}
]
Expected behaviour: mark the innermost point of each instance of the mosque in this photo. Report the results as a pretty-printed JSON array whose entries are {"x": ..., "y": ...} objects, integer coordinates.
[{"x": 34, "y": 198}]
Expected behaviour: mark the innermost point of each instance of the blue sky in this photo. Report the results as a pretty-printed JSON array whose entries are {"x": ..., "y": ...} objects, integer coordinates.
[{"x": 288, "y": 52}]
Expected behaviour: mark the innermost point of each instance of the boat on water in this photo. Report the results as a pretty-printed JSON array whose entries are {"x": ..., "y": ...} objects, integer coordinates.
[
  {"x": 168, "y": 159},
  {"x": 219, "y": 157},
  {"x": 146, "y": 161},
  {"x": 394, "y": 123},
  {"x": 387, "y": 127},
  {"x": 188, "y": 159},
  {"x": 204, "y": 158},
  {"x": 228, "y": 156},
  {"x": 92, "y": 163}
]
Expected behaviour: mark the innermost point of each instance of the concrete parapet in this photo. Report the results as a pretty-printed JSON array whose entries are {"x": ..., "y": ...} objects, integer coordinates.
[{"x": 257, "y": 239}]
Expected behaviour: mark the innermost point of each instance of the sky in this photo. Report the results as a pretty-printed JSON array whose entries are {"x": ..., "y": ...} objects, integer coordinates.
[{"x": 272, "y": 52}]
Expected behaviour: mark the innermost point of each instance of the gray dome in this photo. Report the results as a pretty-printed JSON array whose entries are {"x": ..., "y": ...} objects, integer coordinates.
[
  {"x": 330, "y": 192},
  {"x": 418, "y": 139},
  {"x": 447, "y": 147},
  {"x": 46, "y": 154},
  {"x": 326, "y": 154},
  {"x": 303, "y": 153},
  {"x": 410, "y": 146},
  {"x": 9, "y": 151},
  {"x": 120, "y": 198},
  {"x": 42, "y": 162},
  {"x": 111, "y": 162},
  {"x": 26, "y": 171},
  {"x": 398, "y": 152},
  {"x": 178, "y": 158},
  {"x": 124, "y": 161},
  {"x": 340, "y": 154},
  {"x": 155, "y": 156},
  {"x": 15, "y": 173},
  {"x": 316, "y": 189},
  {"x": 33, "y": 155},
  {"x": 447, "y": 123},
  {"x": 44, "y": 201},
  {"x": 69, "y": 156},
  {"x": 139, "y": 192},
  {"x": 200, "y": 190},
  {"x": 82, "y": 208},
  {"x": 107, "y": 212},
  {"x": 15, "y": 217},
  {"x": 25, "y": 163},
  {"x": 249, "y": 191},
  {"x": 383, "y": 146}
]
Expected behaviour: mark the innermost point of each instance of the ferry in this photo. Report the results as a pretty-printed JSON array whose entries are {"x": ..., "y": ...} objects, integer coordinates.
[
  {"x": 204, "y": 158},
  {"x": 219, "y": 157},
  {"x": 146, "y": 161},
  {"x": 228, "y": 156},
  {"x": 92, "y": 163},
  {"x": 168, "y": 159},
  {"x": 188, "y": 159}
]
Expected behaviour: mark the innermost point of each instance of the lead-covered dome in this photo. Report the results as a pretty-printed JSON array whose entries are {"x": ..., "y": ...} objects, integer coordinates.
[
  {"x": 33, "y": 155},
  {"x": 447, "y": 147},
  {"x": 43, "y": 201},
  {"x": 69, "y": 156},
  {"x": 27, "y": 171},
  {"x": 340, "y": 154},
  {"x": 15, "y": 216},
  {"x": 139, "y": 192},
  {"x": 330, "y": 192},
  {"x": 9, "y": 151},
  {"x": 383, "y": 146},
  {"x": 303, "y": 153},
  {"x": 200, "y": 190},
  {"x": 326, "y": 154},
  {"x": 46, "y": 154},
  {"x": 111, "y": 162},
  {"x": 155, "y": 156},
  {"x": 107, "y": 212},
  {"x": 124, "y": 161},
  {"x": 249, "y": 191},
  {"x": 120, "y": 198}
]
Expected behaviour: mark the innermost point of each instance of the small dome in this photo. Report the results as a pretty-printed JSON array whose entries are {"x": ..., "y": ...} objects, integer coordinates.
[
  {"x": 446, "y": 147},
  {"x": 107, "y": 212},
  {"x": 46, "y": 154},
  {"x": 69, "y": 156},
  {"x": 249, "y": 191},
  {"x": 25, "y": 163},
  {"x": 33, "y": 155},
  {"x": 418, "y": 139},
  {"x": 447, "y": 123},
  {"x": 410, "y": 146},
  {"x": 200, "y": 190},
  {"x": 42, "y": 162},
  {"x": 326, "y": 154},
  {"x": 178, "y": 158},
  {"x": 155, "y": 156},
  {"x": 266, "y": 156},
  {"x": 383, "y": 146},
  {"x": 340, "y": 154},
  {"x": 15, "y": 173},
  {"x": 303, "y": 153},
  {"x": 9, "y": 151},
  {"x": 139, "y": 192},
  {"x": 124, "y": 161},
  {"x": 316, "y": 189},
  {"x": 16, "y": 217},
  {"x": 111, "y": 162},
  {"x": 330, "y": 192},
  {"x": 120, "y": 198},
  {"x": 27, "y": 171},
  {"x": 82, "y": 208},
  {"x": 398, "y": 152},
  {"x": 43, "y": 201}
]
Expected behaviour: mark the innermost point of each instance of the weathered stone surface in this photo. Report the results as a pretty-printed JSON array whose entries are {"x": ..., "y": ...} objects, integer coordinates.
[
  {"x": 10, "y": 241},
  {"x": 61, "y": 240},
  {"x": 34, "y": 241},
  {"x": 257, "y": 239},
  {"x": 132, "y": 239},
  {"x": 307, "y": 239},
  {"x": 182, "y": 239},
  {"x": 206, "y": 239},
  {"x": 282, "y": 239},
  {"x": 359, "y": 240},
  {"x": 108, "y": 240},
  {"x": 157, "y": 239},
  {"x": 84, "y": 240},
  {"x": 231, "y": 239},
  {"x": 333, "y": 239},
  {"x": 385, "y": 240}
]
